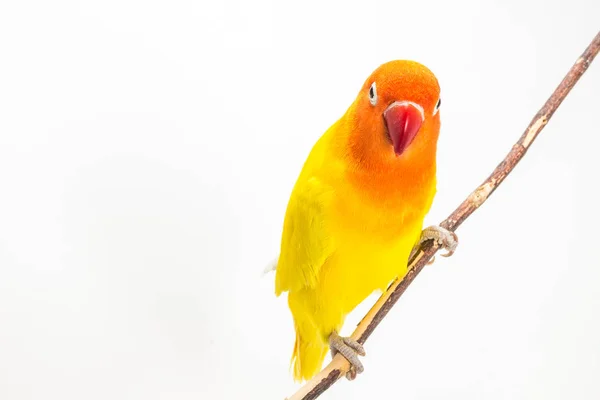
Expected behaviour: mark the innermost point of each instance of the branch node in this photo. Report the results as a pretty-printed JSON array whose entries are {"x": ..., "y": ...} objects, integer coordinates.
[{"x": 480, "y": 195}]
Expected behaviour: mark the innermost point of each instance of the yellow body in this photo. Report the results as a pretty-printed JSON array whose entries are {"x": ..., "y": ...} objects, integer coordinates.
[{"x": 349, "y": 228}]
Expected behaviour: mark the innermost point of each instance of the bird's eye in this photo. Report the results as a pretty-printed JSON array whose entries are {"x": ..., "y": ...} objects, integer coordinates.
[
  {"x": 373, "y": 94},
  {"x": 437, "y": 106}
]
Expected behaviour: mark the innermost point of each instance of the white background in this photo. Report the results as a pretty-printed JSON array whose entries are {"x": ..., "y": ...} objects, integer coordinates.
[{"x": 147, "y": 152}]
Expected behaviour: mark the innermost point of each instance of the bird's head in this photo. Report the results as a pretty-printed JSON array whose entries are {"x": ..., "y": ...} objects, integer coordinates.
[{"x": 395, "y": 118}]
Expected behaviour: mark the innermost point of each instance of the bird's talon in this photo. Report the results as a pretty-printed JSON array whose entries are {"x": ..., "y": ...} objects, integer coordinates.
[
  {"x": 350, "y": 349},
  {"x": 448, "y": 254},
  {"x": 360, "y": 350},
  {"x": 351, "y": 374},
  {"x": 444, "y": 238}
]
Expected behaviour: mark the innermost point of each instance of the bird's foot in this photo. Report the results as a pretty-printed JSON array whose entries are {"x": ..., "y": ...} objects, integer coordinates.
[
  {"x": 350, "y": 349},
  {"x": 441, "y": 236}
]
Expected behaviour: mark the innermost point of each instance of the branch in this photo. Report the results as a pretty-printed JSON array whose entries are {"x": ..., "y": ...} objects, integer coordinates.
[{"x": 339, "y": 366}]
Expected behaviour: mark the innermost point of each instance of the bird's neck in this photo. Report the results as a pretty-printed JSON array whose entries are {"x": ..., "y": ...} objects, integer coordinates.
[{"x": 408, "y": 180}]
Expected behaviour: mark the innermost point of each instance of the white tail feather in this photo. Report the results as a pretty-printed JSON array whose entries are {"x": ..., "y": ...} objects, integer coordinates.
[{"x": 272, "y": 266}]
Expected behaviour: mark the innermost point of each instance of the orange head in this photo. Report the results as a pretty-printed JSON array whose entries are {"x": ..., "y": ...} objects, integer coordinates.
[{"x": 394, "y": 121}]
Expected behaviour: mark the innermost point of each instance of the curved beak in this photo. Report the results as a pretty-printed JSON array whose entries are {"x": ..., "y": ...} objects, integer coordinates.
[{"x": 403, "y": 119}]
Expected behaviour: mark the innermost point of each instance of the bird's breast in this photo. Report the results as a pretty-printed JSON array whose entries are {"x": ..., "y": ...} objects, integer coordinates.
[{"x": 383, "y": 209}]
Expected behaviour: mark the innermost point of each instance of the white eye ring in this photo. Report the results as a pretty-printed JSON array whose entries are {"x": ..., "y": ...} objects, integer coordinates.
[
  {"x": 373, "y": 94},
  {"x": 437, "y": 106}
]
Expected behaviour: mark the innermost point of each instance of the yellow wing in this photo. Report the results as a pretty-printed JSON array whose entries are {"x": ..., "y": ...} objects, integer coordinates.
[{"x": 305, "y": 242}]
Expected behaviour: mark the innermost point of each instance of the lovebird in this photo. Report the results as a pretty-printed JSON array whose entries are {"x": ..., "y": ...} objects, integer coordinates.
[{"x": 357, "y": 209}]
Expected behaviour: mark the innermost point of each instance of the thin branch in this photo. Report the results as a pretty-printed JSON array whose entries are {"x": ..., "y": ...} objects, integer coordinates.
[{"x": 339, "y": 366}]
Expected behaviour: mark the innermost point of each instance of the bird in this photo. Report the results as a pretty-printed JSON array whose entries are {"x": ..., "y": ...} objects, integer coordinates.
[{"x": 356, "y": 211}]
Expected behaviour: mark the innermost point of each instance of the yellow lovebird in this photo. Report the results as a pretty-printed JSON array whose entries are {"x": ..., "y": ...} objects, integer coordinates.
[{"x": 357, "y": 209}]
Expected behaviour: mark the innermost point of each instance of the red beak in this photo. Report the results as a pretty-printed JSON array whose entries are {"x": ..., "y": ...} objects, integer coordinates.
[{"x": 403, "y": 119}]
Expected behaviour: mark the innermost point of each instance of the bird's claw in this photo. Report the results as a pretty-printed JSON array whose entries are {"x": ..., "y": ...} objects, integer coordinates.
[
  {"x": 442, "y": 237},
  {"x": 350, "y": 349}
]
